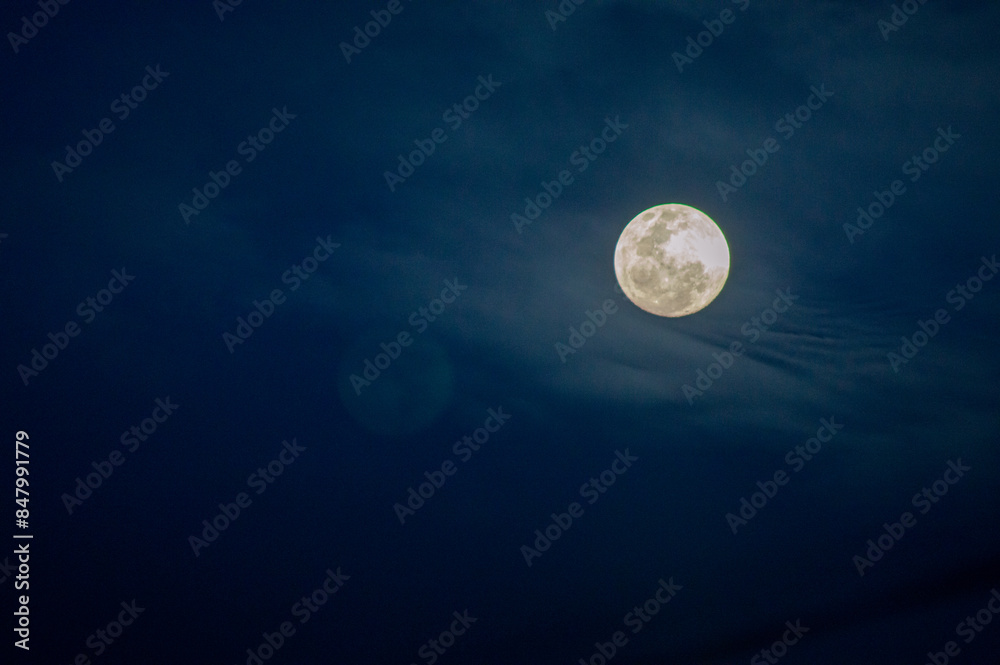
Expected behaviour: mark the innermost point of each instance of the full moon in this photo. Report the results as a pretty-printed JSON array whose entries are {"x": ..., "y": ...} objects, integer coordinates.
[{"x": 672, "y": 260}]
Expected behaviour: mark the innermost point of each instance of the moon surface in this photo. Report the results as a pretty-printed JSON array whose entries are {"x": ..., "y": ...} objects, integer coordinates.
[{"x": 672, "y": 260}]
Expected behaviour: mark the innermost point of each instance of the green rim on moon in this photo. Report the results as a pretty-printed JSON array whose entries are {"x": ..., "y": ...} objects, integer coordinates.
[{"x": 672, "y": 260}]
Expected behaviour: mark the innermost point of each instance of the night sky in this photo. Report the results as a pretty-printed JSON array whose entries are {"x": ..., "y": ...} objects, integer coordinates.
[{"x": 312, "y": 324}]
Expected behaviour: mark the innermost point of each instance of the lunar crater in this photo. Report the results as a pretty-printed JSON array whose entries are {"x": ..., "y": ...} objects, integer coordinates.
[{"x": 672, "y": 260}]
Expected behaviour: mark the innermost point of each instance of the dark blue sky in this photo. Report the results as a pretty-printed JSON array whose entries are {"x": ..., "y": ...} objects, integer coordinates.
[{"x": 267, "y": 263}]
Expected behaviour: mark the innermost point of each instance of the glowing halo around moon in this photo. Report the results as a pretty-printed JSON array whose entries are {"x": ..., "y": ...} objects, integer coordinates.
[{"x": 672, "y": 260}]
